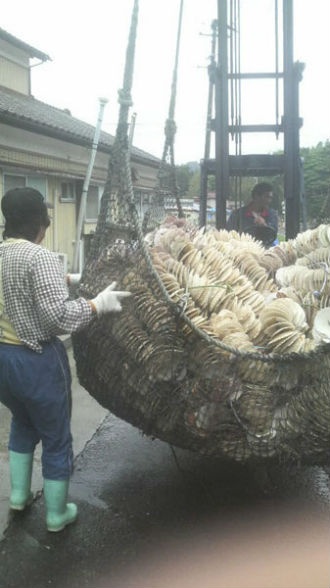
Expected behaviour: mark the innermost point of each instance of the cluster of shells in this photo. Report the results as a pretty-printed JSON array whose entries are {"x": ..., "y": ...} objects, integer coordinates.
[
  {"x": 251, "y": 385},
  {"x": 248, "y": 297}
]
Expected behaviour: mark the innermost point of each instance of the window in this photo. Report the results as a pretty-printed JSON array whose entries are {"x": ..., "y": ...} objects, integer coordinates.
[
  {"x": 68, "y": 192},
  {"x": 38, "y": 183},
  {"x": 92, "y": 203},
  {"x": 11, "y": 181}
]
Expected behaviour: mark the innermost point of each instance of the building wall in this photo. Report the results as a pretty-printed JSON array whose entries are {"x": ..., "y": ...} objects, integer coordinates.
[
  {"x": 19, "y": 147},
  {"x": 63, "y": 225},
  {"x": 146, "y": 176},
  {"x": 46, "y": 163},
  {"x": 61, "y": 235},
  {"x": 34, "y": 151},
  {"x": 14, "y": 68}
]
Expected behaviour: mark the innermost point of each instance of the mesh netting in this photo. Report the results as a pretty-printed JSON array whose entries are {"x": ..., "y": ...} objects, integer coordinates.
[
  {"x": 158, "y": 367},
  {"x": 155, "y": 367}
]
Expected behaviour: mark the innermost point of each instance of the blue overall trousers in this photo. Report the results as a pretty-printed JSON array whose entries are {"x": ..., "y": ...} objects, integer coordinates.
[{"x": 36, "y": 388}]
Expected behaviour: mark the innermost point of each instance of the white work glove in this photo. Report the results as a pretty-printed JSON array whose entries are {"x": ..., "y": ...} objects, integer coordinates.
[
  {"x": 73, "y": 279},
  {"x": 109, "y": 300}
]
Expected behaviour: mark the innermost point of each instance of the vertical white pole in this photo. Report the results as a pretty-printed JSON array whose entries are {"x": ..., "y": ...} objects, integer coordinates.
[
  {"x": 82, "y": 208},
  {"x": 132, "y": 129}
]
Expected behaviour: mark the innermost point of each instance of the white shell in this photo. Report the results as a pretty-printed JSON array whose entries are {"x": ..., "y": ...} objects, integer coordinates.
[{"x": 321, "y": 327}]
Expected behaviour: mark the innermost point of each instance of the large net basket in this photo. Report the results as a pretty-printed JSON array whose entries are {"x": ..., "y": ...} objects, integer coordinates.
[
  {"x": 211, "y": 353},
  {"x": 221, "y": 348}
]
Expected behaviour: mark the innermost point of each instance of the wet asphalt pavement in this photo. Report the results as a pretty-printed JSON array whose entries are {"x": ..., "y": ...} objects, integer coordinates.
[{"x": 136, "y": 494}]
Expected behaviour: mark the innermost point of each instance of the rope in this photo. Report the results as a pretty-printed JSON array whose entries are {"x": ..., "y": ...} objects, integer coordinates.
[
  {"x": 170, "y": 130},
  {"x": 111, "y": 210},
  {"x": 123, "y": 202},
  {"x": 178, "y": 308}
]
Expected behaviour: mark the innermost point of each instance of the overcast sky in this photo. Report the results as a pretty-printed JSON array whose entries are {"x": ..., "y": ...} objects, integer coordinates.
[{"x": 87, "y": 44}]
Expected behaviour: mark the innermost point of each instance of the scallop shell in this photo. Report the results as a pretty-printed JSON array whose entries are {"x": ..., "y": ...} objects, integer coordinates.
[
  {"x": 269, "y": 295},
  {"x": 321, "y": 326}
]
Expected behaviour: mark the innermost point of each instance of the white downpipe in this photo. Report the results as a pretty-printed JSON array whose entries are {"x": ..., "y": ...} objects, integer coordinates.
[
  {"x": 131, "y": 130},
  {"x": 82, "y": 208}
]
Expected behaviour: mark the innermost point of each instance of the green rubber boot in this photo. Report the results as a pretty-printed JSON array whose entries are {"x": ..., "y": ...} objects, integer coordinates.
[
  {"x": 20, "y": 467},
  {"x": 59, "y": 513}
]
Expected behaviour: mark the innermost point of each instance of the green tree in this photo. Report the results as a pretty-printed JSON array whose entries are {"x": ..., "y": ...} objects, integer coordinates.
[
  {"x": 183, "y": 179},
  {"x": 195, "y": 185},
  {"x": 316, "y": 174},
  {"x": 316, "y": 166}
]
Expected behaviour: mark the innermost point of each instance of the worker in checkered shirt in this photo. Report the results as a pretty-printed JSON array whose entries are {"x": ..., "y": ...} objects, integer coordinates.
[{"x": 35, "y": 379}]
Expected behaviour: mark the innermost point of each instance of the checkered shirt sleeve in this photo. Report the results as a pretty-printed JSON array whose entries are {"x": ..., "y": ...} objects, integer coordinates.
[{"x": 36, "y": 296}]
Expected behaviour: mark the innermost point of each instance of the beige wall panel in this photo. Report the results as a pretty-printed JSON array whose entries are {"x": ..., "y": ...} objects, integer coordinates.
[
  {"x": 14, "y": 54},
  {"x": 64, "y": 228},
  {"x": 48, "y": 240},
  {"x": 21, "y": 147},
  {"x": 147, "y": 176},
  {"x": 13, "y": 76}
]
